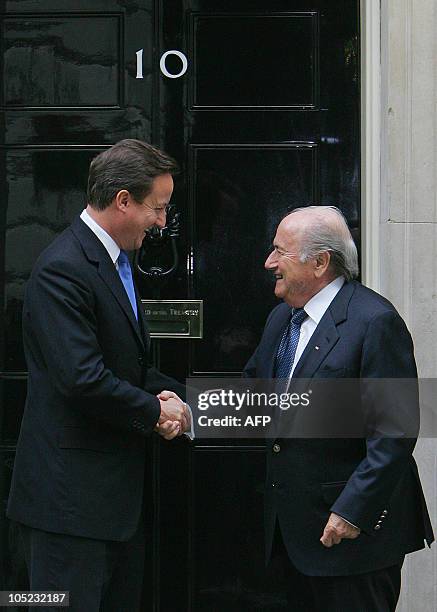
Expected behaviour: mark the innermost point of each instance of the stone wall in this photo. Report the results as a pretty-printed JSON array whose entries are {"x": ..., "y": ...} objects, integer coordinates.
[{"x": 408, "y": 224}]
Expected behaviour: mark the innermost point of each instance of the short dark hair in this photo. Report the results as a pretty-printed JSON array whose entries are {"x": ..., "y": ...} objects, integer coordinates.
[{"x": 129, "y": 164}]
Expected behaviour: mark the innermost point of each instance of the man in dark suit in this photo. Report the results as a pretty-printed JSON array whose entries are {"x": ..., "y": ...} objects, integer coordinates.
[
  {"x": 341, "y": 512},
  {"x": 77, "y": 486}
]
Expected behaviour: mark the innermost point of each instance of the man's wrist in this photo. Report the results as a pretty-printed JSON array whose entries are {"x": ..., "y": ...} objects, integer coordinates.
[
  {"x": 190, "y": 432},
  {"x": 348, "y": 522}
]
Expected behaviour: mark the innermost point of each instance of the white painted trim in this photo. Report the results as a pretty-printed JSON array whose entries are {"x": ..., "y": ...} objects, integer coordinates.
[{"x": 370, "y": 141}]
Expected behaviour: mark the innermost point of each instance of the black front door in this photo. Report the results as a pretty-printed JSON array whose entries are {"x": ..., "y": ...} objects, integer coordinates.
[
  {"x": 265, "y": 119},
  {"x": 259, "y": 102}
]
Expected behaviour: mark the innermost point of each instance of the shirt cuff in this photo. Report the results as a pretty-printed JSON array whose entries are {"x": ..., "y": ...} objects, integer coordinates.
[
  {"x": 190, "y": 434},
  {"x": 348, "y": 522}
]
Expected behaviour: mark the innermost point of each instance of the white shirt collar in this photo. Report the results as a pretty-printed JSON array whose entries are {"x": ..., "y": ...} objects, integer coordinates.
[
  {"x": 109, "y": 243},
  {"x": 319, "y": 303}
]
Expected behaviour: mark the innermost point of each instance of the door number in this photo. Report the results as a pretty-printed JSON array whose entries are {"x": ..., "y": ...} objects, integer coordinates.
[
  {"x": 162, "y": 64},
  {"x": 139, "y": 55}
]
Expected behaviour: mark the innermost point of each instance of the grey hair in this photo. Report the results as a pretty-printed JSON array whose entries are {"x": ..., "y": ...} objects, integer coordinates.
[{"x": 333, "y": 237}]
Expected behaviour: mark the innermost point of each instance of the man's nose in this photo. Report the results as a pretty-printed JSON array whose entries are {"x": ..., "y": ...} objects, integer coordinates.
[
  {"x": 270, "y": 261},
  {"x": 161, "y": 220}
]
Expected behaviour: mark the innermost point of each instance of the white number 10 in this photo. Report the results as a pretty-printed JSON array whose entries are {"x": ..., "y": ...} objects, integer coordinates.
[{"x": 162, "y": 64}]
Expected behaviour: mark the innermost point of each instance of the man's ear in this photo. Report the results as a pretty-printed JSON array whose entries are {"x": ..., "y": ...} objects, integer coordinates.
[
  {"x": 322, "y": 261},
  {"x": 122, "y": 200}
]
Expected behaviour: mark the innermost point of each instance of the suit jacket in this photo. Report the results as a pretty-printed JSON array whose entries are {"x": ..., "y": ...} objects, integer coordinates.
[
  {"x": 80, "y": 459},
  {"x": 373, "y": 482}
]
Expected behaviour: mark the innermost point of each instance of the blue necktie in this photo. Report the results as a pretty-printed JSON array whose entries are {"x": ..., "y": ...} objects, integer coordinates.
[
  {"x": 289, "y": 342},
  {"x": 125, "y": 274}
]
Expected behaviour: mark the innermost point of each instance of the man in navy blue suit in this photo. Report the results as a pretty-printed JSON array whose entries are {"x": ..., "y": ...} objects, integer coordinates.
[
  {"x": 77, "y": 486},
  {"x": 342, "y": 512}
]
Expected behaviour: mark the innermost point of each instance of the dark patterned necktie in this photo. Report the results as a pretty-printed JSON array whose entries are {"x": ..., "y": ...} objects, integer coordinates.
[
  {"x": 289, "y": 342},
  {"x": 125, "y": 273}
]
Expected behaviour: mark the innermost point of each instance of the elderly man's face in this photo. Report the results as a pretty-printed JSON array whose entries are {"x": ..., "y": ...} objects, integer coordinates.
[{"x": 295, "y": 281}]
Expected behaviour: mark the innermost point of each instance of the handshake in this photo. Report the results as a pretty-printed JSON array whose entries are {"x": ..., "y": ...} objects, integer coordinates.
[{"x": 175, "y": 417}]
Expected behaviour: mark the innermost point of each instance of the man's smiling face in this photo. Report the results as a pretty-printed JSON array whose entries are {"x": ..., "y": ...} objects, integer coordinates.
[
  {"x": 148, "y": 213},
  {"x": 295, "y": 280}
]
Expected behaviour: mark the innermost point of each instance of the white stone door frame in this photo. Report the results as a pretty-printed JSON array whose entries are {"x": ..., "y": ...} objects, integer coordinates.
[
  {"x": 389, "y": 149},
  {"x": 370, "y": 11}
]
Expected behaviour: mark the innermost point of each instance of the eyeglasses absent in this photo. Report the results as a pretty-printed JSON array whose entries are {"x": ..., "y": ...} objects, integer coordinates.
[{"x": 281, "y": 253}]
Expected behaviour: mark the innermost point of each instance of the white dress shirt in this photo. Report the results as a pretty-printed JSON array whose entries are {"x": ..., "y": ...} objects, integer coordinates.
[{"x": 315, "y": 309}]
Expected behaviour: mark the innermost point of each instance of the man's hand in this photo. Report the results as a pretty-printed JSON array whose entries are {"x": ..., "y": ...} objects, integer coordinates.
[
  {"x": 174, "y": 409},
  {"x": 336, "y": 530},
  {"x": 169, "y": 429}
]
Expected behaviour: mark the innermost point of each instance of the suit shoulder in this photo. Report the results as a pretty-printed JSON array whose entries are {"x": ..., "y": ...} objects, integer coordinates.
[
  {"x": 279, "y": 310},
  {"x": 62, "y": 252},
  {"x": 371, "y": 304}
]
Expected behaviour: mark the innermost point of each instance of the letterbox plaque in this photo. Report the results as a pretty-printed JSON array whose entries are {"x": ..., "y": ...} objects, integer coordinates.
[{"x": 174, "y": 318}]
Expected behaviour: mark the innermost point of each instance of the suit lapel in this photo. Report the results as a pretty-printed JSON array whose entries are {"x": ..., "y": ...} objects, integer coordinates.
[
  {"x": 320, "y": 344},
  {"x": 96, "y": 252},
  {"x": 110, "y": 276},
  {"x": 142, "y": 322},
  {"x": 326, "y": 335}
]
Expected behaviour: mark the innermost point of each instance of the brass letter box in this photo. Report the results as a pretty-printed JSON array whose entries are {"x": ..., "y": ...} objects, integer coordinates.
[{"x": 174, "y": 318}]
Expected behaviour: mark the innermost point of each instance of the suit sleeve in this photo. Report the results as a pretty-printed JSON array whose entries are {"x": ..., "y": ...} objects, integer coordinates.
[
  {"x": 62, "y": 323},
  {"x": 157, "y": 381},
  {"x": 250, "y": 369},
  {"x": 387, "y": 353}
]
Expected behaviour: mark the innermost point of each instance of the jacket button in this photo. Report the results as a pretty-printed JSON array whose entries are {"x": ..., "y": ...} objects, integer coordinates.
[
  {"x": 141, "y": 360},
  {"x": 377, "y": 527},
  {"x": 385, "y": 512},
  {"x": 276, "y": 448}
]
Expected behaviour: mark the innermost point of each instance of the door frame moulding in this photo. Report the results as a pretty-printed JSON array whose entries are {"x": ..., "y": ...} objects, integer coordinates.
[{"x": 370, "y": 16}]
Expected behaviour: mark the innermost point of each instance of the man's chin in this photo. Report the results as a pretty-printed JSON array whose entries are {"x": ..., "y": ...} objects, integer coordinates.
[{"x": 279, "y": 292}]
